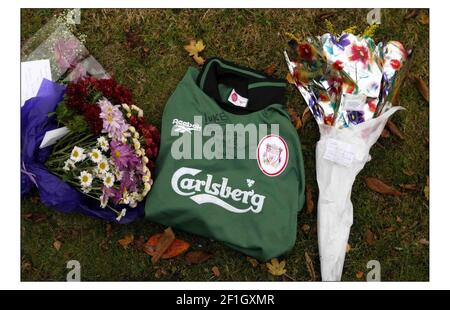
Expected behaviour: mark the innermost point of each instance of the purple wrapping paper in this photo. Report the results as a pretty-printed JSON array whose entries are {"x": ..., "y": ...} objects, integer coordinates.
[{"x": 54, "y": 192}]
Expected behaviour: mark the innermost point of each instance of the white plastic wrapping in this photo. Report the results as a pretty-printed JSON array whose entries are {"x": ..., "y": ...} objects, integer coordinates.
[{"x": 340, "y": 156}]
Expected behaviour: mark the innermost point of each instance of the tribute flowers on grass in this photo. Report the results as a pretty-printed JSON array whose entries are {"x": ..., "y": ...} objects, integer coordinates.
[{"x": 110, "y": 150}]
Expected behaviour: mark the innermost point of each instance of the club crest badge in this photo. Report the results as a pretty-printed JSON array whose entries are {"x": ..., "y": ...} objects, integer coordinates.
[{"x": 272, "y": 155}]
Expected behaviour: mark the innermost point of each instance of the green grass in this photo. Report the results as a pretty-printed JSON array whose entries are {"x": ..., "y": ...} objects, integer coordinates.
[{"x": 251, "y": 38}]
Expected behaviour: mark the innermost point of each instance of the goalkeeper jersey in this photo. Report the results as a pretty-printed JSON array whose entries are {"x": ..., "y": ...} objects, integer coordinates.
[{"x": 230, "y": 165}]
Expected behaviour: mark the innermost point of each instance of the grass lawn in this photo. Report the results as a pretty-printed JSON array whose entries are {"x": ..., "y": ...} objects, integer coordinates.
[{"x": 386, "y": 228}]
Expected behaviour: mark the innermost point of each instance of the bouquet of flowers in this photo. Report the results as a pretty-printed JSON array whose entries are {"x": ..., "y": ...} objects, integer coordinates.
[
  {"x": 349, "y": 84},
  {"x": 106, "y": 151}
]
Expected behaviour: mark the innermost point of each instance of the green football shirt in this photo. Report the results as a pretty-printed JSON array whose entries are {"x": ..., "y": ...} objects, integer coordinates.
[{"x": 230, "y": 165}]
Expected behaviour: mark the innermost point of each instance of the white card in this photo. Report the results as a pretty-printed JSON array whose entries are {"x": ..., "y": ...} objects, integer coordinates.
[
  {"x": 340, "y": 152},
  {"x": 32, "y": 74},
  {"x": 354, "y": 102},
  {"x": 52, "y": 136}
]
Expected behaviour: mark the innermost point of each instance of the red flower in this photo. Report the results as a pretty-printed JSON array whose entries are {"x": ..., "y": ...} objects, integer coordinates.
[
  {"x": 359, "y": 53},
  {"x": 305, "y": 51},
  {"x": 372, "y": 105},
  {"x": 338, "y": 65},
  {"x": 91, "y": 115},
  {"x": 396, "y": 64},
  {"x": 323, "y": 97},
  {"x": 328, "y": 119},
  {"x": 335, "y": 84}
]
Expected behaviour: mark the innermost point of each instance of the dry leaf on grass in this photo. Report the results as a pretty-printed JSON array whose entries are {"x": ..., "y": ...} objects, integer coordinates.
[
  {"x": 380, "y": 187},
  {"x": 424, "y": 241},
  {"x": 194, "y": 48},
  {"x": 426, "y": 189},
  {"x": 270, "y": 69},
  {"x": 309, "y": 200},
  {"x": 165, "y": 243},
  {"x": 410, "y": 187},
  {"x": 310, "y": 267},
  {"x": 306, "y": 228},
  {"x": 424, "y": 19},
  {"x": 252, "y": 261},
  {"x": 126, "y": 240},
  {"x": 295, "y": 118},
  {"x": 197, "y": 257},
  {"x": 394, "y": 130},
  {"x": 370, "y": 238},
  {"x": 422, "y": 87},
  {"x": 306, "y": 115},
  {"x": 275, "y": 267},
  {"x": 35, "y": 217},
  {"x": 359, "y": 275},
  {"x": 57, "y": 245},
  {"x": 411, "y": 13},
  {"x": 215, "y": 270},
  {"x": 348, "y": 248},
  {"x": 290, "y": 79}
]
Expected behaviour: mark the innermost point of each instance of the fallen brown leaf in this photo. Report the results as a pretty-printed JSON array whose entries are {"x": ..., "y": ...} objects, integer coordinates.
[
  {"x": 133, "y": 39},
  {"x": 57, "y": 245},
  {"x": 197, "y": 257},
  {"x": 306, "y": 115},
  {"x": 385, "y": 133},
  {"x": 411, "y": 187},
  {"x": 398, "y": 219},
  {"x": 252, "y": 261},
  {"x": 422, "y": 87},
  {"x": 275, "y": 267},
  {"x": 215, "y": 270},
  {"x": 359, "y": 275},
  {"x": 35, "y": 217},
  {"x": 310, "y": 267},
  {"x": 167, "y": 238},
  {"x": 426, "y": 189},
  {"x": 309, "y": 200},
  {"x": 424, "y": 241},
  {"x": 126, "y": 240},
  {"x": 295, "y": 118},
  {"x": 290, "y": 79},
  {"x": 306, "y": 228},
  {"x": 411, "y": 13},
  {"x": 175, "y": 249},
  {"x": 370, "y": 238},
  {"x": 378, "y": 186},
  {"x": 424, "y": 19},
  {"x": 199, "y": 60},
  {"x": 348, "y": 248},
  {"x": 394, "y": 130},
  {"x": 325, "y": 15},
  {"x": 270, "y": 69}
]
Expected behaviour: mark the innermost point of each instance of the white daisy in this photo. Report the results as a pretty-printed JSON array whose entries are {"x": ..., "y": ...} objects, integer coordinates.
[
  {"x": 108, "y": 179},
  {"x": 121, "y": 214},
  {"x": 103, "y": 201},
  {"x": 85, "y": 179},
  {"x": 103, "y": 143},
  {"x": 103, "y": 166},
  {"x": 96, "y": 156},
  {"x": 68, "y": 165},
  {"x": 77, "y": 154}
]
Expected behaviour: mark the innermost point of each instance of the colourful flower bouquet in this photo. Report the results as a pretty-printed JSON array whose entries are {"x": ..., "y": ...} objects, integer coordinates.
[
  {"x": 106, "y": 153},
  {"x": 349, "y": 84}
]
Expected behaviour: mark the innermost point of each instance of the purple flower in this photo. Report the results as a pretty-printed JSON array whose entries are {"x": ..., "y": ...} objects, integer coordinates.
[
  {"x": 123, "y": 155},
  {"x": 128, "y": 182},
  {"x": 355, "y": 117},
  {"x": 110, "y": 193},
  {"x": 113, "y": 121},
  {"x": 342, "y": 42}
]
